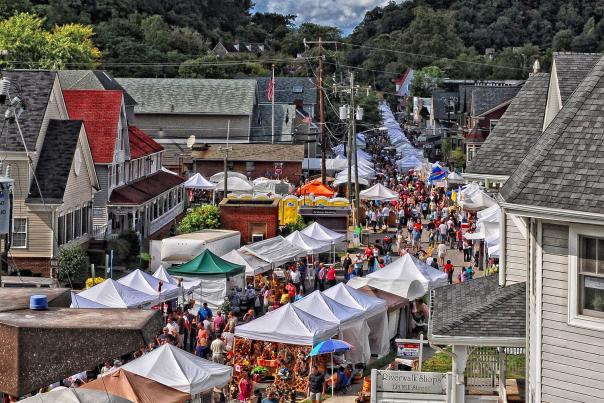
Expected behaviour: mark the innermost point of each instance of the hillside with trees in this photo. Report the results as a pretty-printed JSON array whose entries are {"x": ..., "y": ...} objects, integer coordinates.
[{"x": 462, "y": 38}]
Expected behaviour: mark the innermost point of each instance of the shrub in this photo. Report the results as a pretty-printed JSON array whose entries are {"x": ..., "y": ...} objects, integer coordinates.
[
  {"x": 205, "y": 216},
  {"x": 73, "y": 265},
  {"x": 297, "y": 225}
]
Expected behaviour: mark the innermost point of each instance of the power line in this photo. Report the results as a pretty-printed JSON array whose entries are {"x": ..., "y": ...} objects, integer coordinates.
[{"x": 400, "y": 52}]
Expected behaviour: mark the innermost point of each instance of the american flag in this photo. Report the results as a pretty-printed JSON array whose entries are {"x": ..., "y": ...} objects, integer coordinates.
[{"x": 271, "y": 89}]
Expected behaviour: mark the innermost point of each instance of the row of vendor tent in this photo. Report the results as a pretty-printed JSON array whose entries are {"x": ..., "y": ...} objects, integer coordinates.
[
  {"x": 411, "y": 158},
  {"x": 407, "y": 277},
  {"x": 473, "y": 198},
  {"x": 342, "y": 311},
  {"x": 165, "y": 375},
  {"x": 488, "y": 229}
]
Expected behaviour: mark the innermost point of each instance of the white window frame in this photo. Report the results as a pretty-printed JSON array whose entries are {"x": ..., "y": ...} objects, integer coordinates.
[
  {"x": 575, "y": 318},
  {"x": 26, "y": 233}
]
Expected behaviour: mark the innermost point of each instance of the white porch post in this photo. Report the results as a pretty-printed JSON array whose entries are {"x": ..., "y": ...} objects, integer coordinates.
[
  {"x": 458, "y": 387},
  {"x": 503, "y": 397}
]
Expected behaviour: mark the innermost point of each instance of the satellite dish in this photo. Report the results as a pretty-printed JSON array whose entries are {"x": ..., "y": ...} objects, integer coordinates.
[{"x": 191, "y": 141}]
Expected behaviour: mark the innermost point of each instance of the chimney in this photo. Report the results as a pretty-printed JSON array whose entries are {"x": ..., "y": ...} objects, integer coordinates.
[{"x": 536, "y": 67}]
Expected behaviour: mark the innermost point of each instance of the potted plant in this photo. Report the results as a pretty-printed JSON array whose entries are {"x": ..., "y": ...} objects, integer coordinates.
[{"x": 258, "y": 373}]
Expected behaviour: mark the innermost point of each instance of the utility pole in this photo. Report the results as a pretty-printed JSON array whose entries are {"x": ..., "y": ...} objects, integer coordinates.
[
  {"x": 322, "y": 119},
  {"x": 349, "y": 150},
  {"x": 226, "y": 159},
  {"x": 353, "y": 124}
]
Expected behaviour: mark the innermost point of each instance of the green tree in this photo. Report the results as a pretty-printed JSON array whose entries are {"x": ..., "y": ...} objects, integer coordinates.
[
  {"x": 26, "y": 40},
  {"x": 563, "y": 41},
  {"x": 445, "y": 149},
  {"x": 459, "y": 157},
  {"x": 8, "y": 8},
  {"x": 426, "y": 80},
  {"x": 206, "y": 216},
  {"x": 73, "y": 265}
]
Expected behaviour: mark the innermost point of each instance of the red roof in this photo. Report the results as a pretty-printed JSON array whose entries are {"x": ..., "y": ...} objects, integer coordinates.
[
  {"x": 100, "y": 110},
  {"x": 145, "y": 189},
  {"x": 141, "y": 144}
]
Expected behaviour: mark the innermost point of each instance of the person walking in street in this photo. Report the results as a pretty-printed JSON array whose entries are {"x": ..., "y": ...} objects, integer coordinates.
[
  {"x": 347, "y": 266},
  {"x": 442, "y": 253},
  {"x": 331, "y": 276},
  {"x": 316, "y": 385},
  {"x": 358, "y": 265},
  {"x": 322, "y": 277},
  {"x": 449, "y": 269}
]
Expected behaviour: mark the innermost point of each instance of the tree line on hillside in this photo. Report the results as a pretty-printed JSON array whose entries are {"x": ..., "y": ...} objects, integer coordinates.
[{"x": 495, "y": 39}]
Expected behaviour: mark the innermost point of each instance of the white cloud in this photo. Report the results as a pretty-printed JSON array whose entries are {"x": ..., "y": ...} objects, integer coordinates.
[{"x": 345, "y": 14}]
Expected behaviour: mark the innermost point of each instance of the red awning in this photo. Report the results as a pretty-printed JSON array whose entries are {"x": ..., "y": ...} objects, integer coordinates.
[{"x": 145, "y": 189}]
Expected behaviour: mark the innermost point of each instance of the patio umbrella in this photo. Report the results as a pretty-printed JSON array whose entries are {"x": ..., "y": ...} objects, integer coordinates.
[{"x": 329, "y": 347}]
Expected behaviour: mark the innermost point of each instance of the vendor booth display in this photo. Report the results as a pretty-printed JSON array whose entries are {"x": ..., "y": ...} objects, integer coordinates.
[
  {"x": 407, "y": 277},
  {"x": 178, "y": 369},
  {"x": 136, "y": 388},
  {"x": 217, "y": 177},
  {"x": 280, "y": 341},
  {"x": 111, "y": 294},
  {"x": 374, "y": 312},
  {"x": 352, "y": 326},
  {"x": 218, "y": 277},
  {"x": 473, "y": 198}
]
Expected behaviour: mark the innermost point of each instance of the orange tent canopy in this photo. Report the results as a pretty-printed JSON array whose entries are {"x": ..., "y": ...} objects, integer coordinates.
[
  {"x": 137, "y": 388},
  {"x": 316, "y": 188}
]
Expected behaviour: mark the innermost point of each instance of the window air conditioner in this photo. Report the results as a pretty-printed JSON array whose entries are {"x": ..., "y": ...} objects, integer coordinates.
[{"x": 257, "y": 237}]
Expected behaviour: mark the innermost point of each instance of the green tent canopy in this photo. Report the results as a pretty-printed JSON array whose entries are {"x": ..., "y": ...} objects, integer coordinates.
[{"x": 206, "y": 264}]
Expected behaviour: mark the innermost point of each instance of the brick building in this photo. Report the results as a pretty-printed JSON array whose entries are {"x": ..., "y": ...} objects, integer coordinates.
[
  {"x": 254, "y": 160},
  {"x": 250, "y": 217}
]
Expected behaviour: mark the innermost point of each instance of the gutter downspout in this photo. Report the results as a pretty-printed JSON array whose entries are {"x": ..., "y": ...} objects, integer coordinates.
[{"x": 502, "y": 241}]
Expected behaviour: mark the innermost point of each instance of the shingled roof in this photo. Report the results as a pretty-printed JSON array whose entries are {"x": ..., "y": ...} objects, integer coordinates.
[
  {"x": 253, "y": 152},
  {"x": 563, "y": 169},
  {"x": 92, "y": 80},
  {"x": 191, "y": 95},
  {"x": 288, "y": 90},
  {"x": 56, "y": 158},
  {"x": 34, "y": 88},
  {"x": 571, "y": 69},
  {"x": 100, "y": 110},
  {"x": 141, "y": 144},
  {"x": 478, "y": 308},
  {"x": 516, "y": 132},
  {"x": 485, "y": 98}
]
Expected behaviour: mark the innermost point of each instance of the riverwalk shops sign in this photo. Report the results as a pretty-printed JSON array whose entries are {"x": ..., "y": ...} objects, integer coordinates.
[{"x": 403, "y": 386}]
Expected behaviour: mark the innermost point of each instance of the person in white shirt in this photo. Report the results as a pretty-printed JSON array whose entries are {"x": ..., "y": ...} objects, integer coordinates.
[
  {"x": 386, "y": 214},
  {"x": 442, "y": 253},
  {"x": 294, "y": 275},
  {"x": 443, "y": 231}
]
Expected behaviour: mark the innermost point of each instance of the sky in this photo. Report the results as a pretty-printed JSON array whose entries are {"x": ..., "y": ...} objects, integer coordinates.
[{"x": 345, "y": 14}]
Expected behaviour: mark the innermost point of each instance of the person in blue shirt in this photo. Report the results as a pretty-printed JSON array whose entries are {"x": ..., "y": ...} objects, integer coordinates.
[{"x": 204, "y": 313}]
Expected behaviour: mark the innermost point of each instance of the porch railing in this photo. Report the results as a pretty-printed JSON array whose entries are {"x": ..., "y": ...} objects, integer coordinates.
[{"x": 166, "y": 218}]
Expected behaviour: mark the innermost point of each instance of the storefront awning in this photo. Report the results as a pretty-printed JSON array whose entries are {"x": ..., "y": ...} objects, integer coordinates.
[{"x": 145, "y": 189}]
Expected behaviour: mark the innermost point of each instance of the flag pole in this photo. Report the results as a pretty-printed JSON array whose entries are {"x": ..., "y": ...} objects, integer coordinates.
[{"x": 273, "y": 108}]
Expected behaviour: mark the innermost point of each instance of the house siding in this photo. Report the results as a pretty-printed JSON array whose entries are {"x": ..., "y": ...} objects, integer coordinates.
[
  {"x": 100, "y": 197},
  {"x": 78, "y": 190},
  {"x": 553, "y": 98},
  {"x": 516, "y": 253},
  {"x": 39, "y": 232},
  {"x": 178, "y": 126},
  {"x": 572, "y": 358}
]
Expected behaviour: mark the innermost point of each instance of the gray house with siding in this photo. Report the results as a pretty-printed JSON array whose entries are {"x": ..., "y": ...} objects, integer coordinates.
[{"x": 558, "y": 192}]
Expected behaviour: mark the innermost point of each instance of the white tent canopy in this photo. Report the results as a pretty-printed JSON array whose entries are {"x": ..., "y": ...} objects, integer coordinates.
[
  {"x": 162, "y": 274},
  {"x": 72, "y": 395},
  {"x": 80, "y": 302},
  {"x": 472, "y": 197},
  {"x": 197, "y": 181},
  {"x": 112, "y": 294},
  {"x": 374, "y": 311},
  {"x": 235, "y": 185},
  {"x": 454, "y": 177},
  {"x": 342, "y": 179},
  {"x": 178, "y": 369},
  {"x": 217, "y": 177},
  {"x": 321, "y": 233},
  {"x": 310, "y": 245},
  {"x": 288, "y": 324},
  {"x": 379, "y": 192},
  {"x": 407, "y": 277},
  {"x": 274, "y": 250},
  {"x": 353, "y": 327},
  {"x": 145, "y": 282},
  {"x": 253, "y": 265}
]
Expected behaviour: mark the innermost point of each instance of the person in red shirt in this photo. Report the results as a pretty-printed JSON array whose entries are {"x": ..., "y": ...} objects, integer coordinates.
[
  {"x": 449, "y": 269},
  {"x": 291, "y": 291},
  {"x": 331, "y": 276}
]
